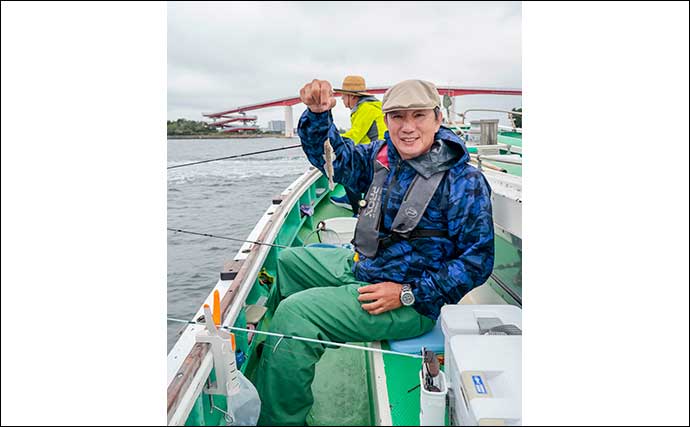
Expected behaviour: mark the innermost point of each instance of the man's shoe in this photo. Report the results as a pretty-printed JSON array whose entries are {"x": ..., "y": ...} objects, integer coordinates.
[{"x": 342, "y": 202}]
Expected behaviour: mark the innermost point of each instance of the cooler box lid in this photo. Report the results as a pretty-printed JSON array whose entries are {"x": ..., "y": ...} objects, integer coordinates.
[{"x": 462, "y": 319}]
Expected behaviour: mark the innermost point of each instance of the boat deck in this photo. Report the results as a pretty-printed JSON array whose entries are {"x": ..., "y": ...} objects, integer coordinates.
[
  {"x": 341, "y": 399},
  {"x": 402, "y": 381},
  {"x": 351, "y": 387}
]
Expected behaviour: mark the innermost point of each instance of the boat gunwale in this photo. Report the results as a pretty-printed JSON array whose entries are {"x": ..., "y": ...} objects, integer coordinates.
[{"x": 196, "y": 366}]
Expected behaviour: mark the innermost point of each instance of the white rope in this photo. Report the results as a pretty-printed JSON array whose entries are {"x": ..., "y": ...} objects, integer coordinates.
[{"x": 312, "y": 340}]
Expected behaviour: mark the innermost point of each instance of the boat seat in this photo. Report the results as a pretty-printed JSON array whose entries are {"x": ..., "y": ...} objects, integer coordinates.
[{"x": 432, "y": 340}]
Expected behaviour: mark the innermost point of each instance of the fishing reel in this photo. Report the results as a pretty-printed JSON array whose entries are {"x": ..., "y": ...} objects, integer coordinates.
[{"x": 430, "y": 369}]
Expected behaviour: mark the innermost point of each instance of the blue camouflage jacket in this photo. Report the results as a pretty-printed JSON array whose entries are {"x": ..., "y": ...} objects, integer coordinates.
[{"x": 440, "y": 270}]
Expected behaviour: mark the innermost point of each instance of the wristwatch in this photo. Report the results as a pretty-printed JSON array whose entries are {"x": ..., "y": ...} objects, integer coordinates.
[{"x": 406, "y": 296}]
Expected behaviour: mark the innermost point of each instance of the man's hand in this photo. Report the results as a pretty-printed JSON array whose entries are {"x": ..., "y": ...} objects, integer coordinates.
[
  {"x": 317, "y": 96},
  {"x": 384, "y": 296}
]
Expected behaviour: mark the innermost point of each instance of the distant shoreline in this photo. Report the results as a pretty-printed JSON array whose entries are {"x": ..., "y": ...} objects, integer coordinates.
[{"x": 227, "y": 136}]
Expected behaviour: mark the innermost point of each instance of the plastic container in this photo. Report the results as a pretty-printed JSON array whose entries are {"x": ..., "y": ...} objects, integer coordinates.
[
  {"x": 462, "y": 319},
  {"x": 487, "y": 380},
  {"x": 340, "y": 230}
]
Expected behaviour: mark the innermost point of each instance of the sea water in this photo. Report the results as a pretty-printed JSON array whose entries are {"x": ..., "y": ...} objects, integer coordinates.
[{"x": 224, "y": 198}]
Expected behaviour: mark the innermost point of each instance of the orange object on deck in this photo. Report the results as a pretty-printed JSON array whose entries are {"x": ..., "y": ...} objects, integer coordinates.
[{"x": 216, "y": 307}]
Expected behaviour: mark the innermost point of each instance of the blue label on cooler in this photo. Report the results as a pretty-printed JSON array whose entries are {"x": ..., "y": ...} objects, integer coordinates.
[{"x": 478, "y": 384}]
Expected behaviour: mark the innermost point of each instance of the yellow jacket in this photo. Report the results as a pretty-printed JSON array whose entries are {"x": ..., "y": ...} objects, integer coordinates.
[{"x": 367, "y": 121}]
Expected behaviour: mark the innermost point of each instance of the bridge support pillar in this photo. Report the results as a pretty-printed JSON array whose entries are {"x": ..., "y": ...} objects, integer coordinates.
[
  {"x": 288, "y": 121},
  {"x": 453, "y": 117}
]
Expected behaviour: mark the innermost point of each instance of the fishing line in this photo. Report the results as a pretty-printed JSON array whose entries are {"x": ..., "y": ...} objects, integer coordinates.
[
  {"x": 234, "y": 157},
  {"x": 254, "y": 331},
  {"x": 311, "y": 340},
  {"x": 226, "y": 238}
]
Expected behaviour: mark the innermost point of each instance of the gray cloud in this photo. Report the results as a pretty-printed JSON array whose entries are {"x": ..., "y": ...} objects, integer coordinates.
[{"x": 223, "y": 55}]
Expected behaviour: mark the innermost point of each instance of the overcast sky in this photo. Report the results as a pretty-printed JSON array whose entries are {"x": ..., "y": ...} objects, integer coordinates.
[{"x": 224, "y": 55}]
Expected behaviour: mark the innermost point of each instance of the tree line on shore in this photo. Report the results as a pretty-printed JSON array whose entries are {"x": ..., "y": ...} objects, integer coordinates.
[{"x": 191, "y": 127}]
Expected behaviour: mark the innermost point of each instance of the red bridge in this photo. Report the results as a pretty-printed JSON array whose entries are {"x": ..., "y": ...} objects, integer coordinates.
[
  {"x": 239, "y": 128},
  {"x": 243, "y": 119},
  {"x": 223, "y": 124},
  {"x": 451, "y": 91}
]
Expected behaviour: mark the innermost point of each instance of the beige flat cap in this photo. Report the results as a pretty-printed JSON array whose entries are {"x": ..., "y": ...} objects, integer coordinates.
[{"x": 411, "y": 95}]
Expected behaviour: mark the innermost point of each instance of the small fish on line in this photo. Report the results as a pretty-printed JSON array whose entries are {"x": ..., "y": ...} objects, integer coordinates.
[{"x": 328, "y": 156}]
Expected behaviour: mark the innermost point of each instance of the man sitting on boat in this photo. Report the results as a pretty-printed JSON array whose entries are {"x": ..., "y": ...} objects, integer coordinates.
[{"x": 424, "y": 238}]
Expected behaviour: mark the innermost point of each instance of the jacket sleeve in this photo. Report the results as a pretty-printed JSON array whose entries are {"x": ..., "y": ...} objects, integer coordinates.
[
  {"x": 352, "y": 166},
  {"x": 470, "y": 224},
  {"x": 362, "y": 120}
]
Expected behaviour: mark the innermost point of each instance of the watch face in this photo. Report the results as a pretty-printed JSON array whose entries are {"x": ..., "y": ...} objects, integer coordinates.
[{"x": 407, "y": 298}]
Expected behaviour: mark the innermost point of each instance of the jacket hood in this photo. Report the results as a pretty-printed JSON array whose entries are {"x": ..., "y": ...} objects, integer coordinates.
[
  {"x": 362, "y": 100},
  {"x": 447, "y": 150}
]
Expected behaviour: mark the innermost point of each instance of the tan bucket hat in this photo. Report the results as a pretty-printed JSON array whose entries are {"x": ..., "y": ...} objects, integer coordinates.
[
  {"x": 411, "y": 95},
  {"x": 354, "y": 85}
]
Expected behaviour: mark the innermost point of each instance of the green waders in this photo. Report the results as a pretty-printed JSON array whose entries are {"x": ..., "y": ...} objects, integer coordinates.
[{"x": 320, "y": 301}]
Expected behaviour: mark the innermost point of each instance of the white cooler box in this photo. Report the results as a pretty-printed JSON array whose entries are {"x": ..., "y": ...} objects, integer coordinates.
[{"x": 484, "y": 371}]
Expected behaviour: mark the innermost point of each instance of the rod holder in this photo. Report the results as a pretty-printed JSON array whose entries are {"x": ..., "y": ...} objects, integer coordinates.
[{"x": 223, "y": 350}]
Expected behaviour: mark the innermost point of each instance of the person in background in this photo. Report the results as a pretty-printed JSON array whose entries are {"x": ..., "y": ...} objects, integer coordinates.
[{"x": 367, "y": 125}]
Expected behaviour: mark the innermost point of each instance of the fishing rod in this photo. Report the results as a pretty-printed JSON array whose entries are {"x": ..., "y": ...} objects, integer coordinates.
[
  {"x": 177, "y": 230},
  {"x": 234, "y": 157},
  {"x": 312, "y": 340}
]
